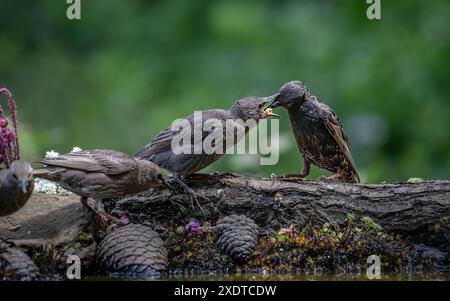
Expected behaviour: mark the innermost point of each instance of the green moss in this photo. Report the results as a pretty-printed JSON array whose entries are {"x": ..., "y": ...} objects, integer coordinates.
[{"x": 369, "y": 224}]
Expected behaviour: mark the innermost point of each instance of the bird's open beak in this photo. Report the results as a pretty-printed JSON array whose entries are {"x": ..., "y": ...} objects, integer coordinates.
[
  {"x": 267, "y": 111},
  {"x": 23, "y": 185},
  {"x": 273, "y": 101}
]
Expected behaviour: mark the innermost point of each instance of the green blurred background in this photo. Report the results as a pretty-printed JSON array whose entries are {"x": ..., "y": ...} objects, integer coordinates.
[{"x": 127, "y": 69}]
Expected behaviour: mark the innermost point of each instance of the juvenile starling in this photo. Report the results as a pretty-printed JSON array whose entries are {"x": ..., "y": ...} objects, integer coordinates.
[
  {"x": 16, "y": 186},
  {"x": 159, "y": 150},
  {"x": 318, "y": 131},
  {"x": 100, "y": 174}
]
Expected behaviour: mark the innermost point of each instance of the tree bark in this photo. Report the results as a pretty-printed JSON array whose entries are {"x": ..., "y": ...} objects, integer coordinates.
[{"x": 420, "y": 212}]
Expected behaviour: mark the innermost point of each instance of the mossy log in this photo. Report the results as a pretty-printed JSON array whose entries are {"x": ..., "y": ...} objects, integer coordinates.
[{"x": 420, "y": 212}]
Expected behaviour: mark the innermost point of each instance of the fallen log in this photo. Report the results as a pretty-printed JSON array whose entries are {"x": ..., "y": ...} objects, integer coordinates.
[
  {"x": 414, "y": 220},
  {"x": 420, "y": 212}
]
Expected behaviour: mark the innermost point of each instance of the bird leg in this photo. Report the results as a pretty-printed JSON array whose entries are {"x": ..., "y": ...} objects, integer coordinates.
[
  {"x": 165, "y": 183},
  {"x": 198, "y": 176},
  {"x": 192, "y": 195},
  {"x": 13, "y": 225},
  {"x": 305, "y": 171},
  {"x": 84, "y": 201},
  {"x": 105, "y": 217},
  {"x": 100, "y": 212}
]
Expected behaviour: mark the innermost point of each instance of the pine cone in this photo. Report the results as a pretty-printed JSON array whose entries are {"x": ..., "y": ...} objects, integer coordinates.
[
  {"x": 236, "y": 236},
  {"x": 133, "y": 251},
  {"x": 15, "y": 264}
]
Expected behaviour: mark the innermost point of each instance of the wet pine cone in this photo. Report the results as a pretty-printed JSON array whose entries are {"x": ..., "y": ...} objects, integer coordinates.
[
  {"x": 134, "y": 251},
  {"x": 15, "y": 264},
  {"x": 236, "y": 236}
]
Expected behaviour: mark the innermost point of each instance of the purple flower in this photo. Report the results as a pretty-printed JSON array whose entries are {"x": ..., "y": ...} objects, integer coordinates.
[
  {"x": 9, "y": 143},
  {"x": 125, "y": 219},
  {"x": 3, "y": 123},
  {"x": 194, "y": 226}
]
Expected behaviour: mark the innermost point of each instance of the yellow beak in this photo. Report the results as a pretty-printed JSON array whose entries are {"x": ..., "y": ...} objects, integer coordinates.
[{"x": 268, "y": 113}]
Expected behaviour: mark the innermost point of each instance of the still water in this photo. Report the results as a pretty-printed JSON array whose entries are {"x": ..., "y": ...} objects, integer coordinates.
[
  {"x": 437, "y": 276},
  {"x": 422, "y": 276}
]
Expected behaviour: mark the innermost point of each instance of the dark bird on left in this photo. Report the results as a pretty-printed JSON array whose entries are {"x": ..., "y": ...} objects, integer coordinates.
[
  {"x": 101, "y": 174},
  {"x": 16, "y": 186}
]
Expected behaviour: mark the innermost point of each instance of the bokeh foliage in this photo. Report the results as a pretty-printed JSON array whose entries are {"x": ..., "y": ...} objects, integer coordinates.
[{"x": 129, "y": 68}]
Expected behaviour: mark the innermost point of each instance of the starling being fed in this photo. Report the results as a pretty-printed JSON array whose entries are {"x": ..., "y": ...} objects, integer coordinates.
[
  {"x": 159, "y": 150},
  {"x": 318, "y": 131},
  {"x": 16, "y": 186},
  {"x": 100, "y": 174}
]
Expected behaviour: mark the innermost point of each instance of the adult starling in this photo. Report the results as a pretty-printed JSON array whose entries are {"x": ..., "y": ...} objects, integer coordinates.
[
  {"x": 16, "y": 186},
  {"x": 100, "y": 174},
  {"x": 160, "y": 151},
  {"x": 318, "y": 131}
]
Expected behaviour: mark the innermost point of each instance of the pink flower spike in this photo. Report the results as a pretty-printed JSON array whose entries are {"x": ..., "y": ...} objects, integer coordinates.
[{"x": 9, "y": 143}]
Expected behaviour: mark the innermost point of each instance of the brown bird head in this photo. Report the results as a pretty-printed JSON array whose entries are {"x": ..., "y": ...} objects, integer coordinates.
[
  {"x": 251, "y": 107},
  {"x": 150, "y": 175},
  {"x": 21, "y": 174},
  {"x": 290, "y": 93}
]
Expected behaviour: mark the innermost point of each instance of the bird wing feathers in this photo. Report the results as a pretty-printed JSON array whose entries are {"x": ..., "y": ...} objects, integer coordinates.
[
  {"x": 336, "y": 130},
  {"x": 103, "y": 161},
  {"x": 163, "y": 141}
]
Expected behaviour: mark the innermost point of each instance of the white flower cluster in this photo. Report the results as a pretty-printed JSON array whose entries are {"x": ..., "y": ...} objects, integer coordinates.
[
  {"x": 51, "y": 154},
  {"x": 48, "y": 187}
]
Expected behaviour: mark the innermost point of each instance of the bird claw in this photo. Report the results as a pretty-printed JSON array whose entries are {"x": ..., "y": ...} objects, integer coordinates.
[
  {"x": 334, "y": 178},
  {"x": 106, "y": 218},
  {"x": 289, "y": 176},
  {"x": 193, "y": 196},
  {"x": 13, "y": 226}
]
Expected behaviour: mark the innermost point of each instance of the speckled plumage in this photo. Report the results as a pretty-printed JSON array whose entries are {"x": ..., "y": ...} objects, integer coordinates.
[
  {"x": 159, "y": 150},
  {"x": 16, "y": 186},
  {"x": 318, "y": 132},
  {"x": 100, "y": 174}
]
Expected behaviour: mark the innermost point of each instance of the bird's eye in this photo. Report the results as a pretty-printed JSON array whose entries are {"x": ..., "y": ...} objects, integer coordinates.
[
  {"x": 15, "y": 176},
  {"x": 260, "y": 106}
]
